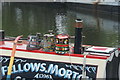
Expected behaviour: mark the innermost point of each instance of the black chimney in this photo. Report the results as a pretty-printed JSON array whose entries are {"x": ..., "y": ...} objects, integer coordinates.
[
  {"x": 2, "y": 34},
  {"x": 78, "y": 36}
]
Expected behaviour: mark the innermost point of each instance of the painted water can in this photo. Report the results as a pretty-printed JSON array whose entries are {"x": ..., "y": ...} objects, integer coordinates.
[{"x": 62, "y": 44}]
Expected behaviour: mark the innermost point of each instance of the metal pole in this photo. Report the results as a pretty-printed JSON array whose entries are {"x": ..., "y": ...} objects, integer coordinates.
[{"x": 84, "y": 67}]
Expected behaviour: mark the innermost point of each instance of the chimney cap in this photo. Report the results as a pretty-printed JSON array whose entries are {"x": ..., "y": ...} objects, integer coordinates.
[{"x": 79, "y": 20}]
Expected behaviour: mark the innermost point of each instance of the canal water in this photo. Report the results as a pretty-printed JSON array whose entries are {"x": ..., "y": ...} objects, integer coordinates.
[{"x": 100, "y": 28}]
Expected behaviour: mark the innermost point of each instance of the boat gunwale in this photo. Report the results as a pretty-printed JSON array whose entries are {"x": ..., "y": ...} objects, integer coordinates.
[{"x": 53, "y": 53}]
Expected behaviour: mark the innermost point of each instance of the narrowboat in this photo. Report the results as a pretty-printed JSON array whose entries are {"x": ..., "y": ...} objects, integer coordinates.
[{"x": 52, "y": 57}]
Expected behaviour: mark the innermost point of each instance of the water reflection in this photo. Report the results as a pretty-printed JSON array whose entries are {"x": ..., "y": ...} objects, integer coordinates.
[
  {"x": 31, "y": 20},
  {"x": 60, "y": 20},
  {"x": 26, "y": 18},
  {"x": 19, "y": 18}
]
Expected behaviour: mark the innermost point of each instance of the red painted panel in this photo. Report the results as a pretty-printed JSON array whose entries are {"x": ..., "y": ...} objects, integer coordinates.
[{"x": 100, "y": 49}]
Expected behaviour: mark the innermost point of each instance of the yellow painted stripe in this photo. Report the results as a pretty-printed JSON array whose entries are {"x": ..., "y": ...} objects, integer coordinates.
[{"x": 10, "y": 66}]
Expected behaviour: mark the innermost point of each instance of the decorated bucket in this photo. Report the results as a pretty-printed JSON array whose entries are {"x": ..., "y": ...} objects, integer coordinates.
[{"x": 62, "y": 44}]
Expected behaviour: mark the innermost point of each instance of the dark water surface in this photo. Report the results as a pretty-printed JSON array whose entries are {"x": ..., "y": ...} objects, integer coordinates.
[{"x": 100, "y": 29}]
